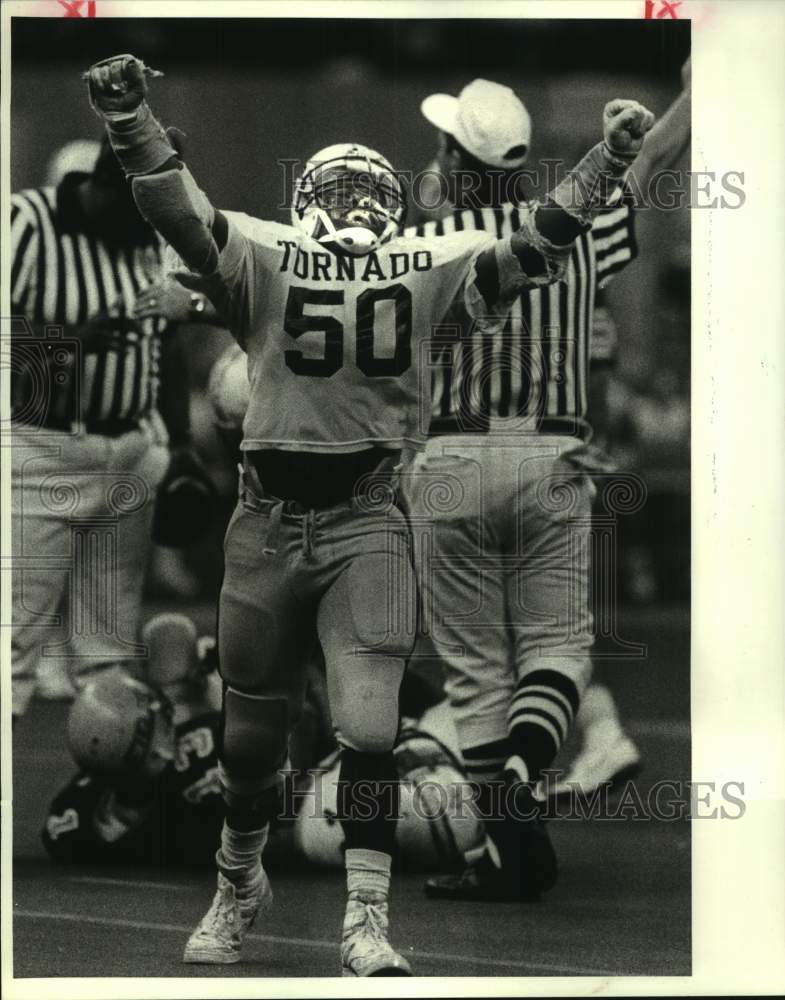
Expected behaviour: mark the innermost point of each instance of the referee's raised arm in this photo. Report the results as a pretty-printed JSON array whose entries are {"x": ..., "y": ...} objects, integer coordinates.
[{"x": 538, "y": 252}]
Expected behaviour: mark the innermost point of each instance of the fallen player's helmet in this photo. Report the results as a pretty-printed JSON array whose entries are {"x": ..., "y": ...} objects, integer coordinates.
[
  {"x": 436, "y": 825},
  {"x": 119, "y": 725},
  {"x": 349, "y": 198},
  {"x": 318, "y": 833}
]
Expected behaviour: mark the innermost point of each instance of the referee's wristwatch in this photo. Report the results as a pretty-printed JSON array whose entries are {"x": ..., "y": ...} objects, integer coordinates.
[{"x": 197, "y": 306}]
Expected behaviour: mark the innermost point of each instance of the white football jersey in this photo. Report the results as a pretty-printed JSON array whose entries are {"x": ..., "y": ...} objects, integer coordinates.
[{"x": 338, "y": 345}]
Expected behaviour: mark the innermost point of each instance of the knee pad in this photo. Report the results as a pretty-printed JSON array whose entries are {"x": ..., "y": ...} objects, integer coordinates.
[
  {"x": 255, "y": 735},
  {"x": 366, "y": 715},
  {"x": 367, "y": 738}
]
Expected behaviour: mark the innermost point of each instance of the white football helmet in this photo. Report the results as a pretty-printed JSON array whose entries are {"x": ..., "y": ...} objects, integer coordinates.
[
  {"x": 349, "y": 198},
  {"x": 436, "y": 827}
]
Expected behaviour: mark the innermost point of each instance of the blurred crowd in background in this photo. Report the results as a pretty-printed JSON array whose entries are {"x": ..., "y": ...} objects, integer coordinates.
[{"x": 250, "y": 94}]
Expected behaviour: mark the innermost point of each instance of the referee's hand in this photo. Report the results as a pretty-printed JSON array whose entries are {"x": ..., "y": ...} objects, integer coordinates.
[
  {"x": 167, "y": 299},
  {"x": 625, "y": 124}
]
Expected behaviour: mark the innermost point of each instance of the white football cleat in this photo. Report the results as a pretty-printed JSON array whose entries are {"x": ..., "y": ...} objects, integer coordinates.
[
  {"x": 219, "y": 937},
  {"x": 599, "y": 763},
  {"x": 365, "y": 950}
]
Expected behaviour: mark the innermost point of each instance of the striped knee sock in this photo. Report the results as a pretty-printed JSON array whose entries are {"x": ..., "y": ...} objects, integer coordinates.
[{"x": 541, "y": 713}]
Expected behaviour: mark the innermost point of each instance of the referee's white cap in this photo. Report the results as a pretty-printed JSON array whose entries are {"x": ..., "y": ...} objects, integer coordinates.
[{"x": 487, "y": 119}]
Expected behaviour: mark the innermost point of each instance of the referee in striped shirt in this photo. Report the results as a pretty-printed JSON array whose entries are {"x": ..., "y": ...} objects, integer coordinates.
[
  {"x": 505, "y": 587},
  {"x": 91, "y": 431}
]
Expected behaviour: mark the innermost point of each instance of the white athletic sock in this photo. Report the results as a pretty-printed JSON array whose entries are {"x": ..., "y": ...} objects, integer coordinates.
[
  {"x": 367, "y": 874},
  {"x": 240, "y": 857}
]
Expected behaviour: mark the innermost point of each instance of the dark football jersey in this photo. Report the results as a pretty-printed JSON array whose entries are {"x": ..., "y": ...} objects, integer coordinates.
[{"x": 180, "y": 823}]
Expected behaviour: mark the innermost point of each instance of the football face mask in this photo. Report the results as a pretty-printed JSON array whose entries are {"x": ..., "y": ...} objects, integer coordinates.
[{"x": 349, "y": 199}]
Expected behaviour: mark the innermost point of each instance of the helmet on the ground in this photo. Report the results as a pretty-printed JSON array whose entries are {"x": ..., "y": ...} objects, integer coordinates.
[
  {"x": 437, "y": 824},
  {"x": 121, "y": 726},
  {"x": 349, "y": 198},
  {"x": 318, "y": 833}
]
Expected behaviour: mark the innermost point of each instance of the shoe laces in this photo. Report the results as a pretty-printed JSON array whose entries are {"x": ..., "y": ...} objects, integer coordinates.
[
  {"x": 366, "y": 921},
  {"x": 223, "y": 908},
  {"x": 375, "y": 921}
]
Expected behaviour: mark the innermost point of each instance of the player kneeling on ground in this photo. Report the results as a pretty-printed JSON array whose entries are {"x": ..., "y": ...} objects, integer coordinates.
[
  {"x": 147, "y": 791},
  {"x": 332, "y": 312}
]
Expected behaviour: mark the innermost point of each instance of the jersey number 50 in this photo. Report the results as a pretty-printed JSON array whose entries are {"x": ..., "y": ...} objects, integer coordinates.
[{"x": 296, "y": 323}]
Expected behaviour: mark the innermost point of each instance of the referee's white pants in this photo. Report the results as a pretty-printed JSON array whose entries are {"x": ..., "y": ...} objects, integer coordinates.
[
  {"x": 82, "y": 508},
  {"x": 501, "y": 527}
]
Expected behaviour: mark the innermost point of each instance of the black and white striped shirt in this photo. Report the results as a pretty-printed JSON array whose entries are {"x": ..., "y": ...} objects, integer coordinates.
[
  {"x": 63, "y": 275},
  {"x": 537, "y": 369}
]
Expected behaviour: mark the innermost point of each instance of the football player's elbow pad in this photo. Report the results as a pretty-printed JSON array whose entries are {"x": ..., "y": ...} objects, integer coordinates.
[{"x": 178, "y": 209}]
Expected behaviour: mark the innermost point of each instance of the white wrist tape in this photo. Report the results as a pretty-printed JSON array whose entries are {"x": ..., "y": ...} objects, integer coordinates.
[
  {"x": 590, "y": 185},
  {"x": 139, "y": 141}
]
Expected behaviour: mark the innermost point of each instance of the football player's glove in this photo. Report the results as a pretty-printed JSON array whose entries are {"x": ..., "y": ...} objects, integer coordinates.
[
  {"x": 117, "y": 87},
  {"x": 349, "y": 198},
  {"x": 186, "y": 502},
  {"x": 117, "y": 90},
  {"x": 121, "y": 727}
]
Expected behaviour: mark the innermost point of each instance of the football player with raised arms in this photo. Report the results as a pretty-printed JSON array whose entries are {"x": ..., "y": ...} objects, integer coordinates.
[{"x": 333, "y": 312}]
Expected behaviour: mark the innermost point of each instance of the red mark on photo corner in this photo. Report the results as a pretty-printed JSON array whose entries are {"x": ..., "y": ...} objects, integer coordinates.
[
  {"x": 75, "y": 8},
  {"x": 661, "y": 8}
]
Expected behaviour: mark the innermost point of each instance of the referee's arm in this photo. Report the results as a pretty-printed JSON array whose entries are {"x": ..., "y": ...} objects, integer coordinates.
[
  {"x": 666, "y": 143},
  {"x": 538, "y": 252}
]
